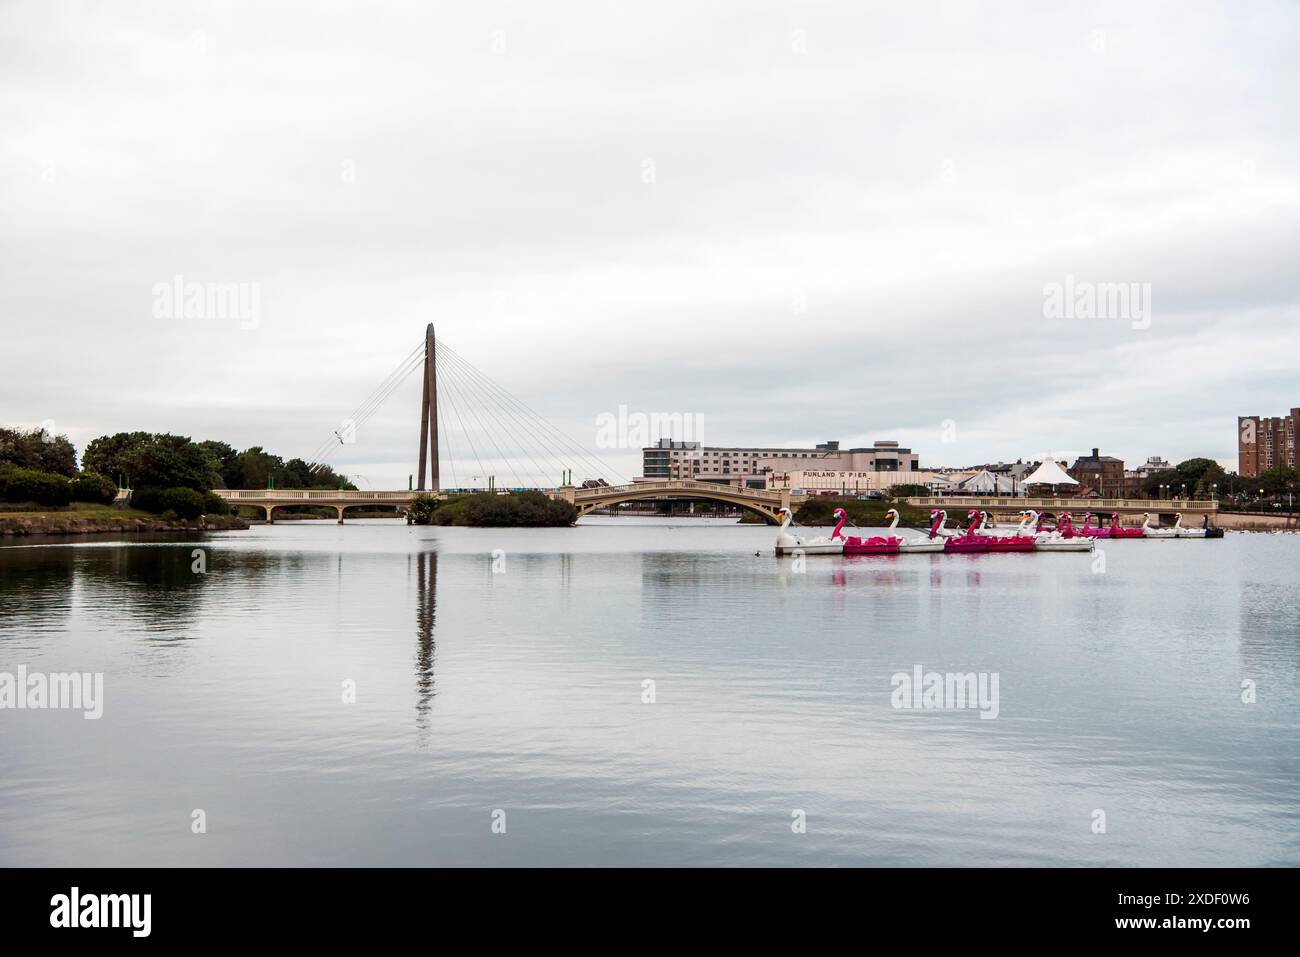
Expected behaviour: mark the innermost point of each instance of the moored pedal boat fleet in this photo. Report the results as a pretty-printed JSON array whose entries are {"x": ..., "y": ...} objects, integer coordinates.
[{"x": 980, "y": 536}]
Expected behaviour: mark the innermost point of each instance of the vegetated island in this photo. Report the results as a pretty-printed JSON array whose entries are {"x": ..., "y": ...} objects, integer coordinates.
[
  {"x": 865, "y": 513},
  {"x": 493, "y": 510}
]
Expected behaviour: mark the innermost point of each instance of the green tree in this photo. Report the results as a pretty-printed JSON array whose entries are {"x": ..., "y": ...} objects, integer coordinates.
[
  {"x": 1278, "y": 480},
  {"x": 39, "y": 450},
  {"x": 93, "y": 487},
  {"x": 254, "y": 467},
  {"x": 421, "y": 509},
  {"x": 1198, "y": 475},
  {"x": 29, "y": 485},
  {"x": 1151, "y": 484},
  {"x": 159, "y": 460},
  {"x": 909, "y": 491},
  {"x": 221, "y": 459}
]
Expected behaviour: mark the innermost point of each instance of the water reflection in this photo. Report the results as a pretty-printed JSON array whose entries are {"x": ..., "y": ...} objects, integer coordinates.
[
  {"x": 774, "y": 686},
  {"x": 36, "y": 591},
  {"x": 426, "y": 614},
  {"x": 1269, "y": 630}
]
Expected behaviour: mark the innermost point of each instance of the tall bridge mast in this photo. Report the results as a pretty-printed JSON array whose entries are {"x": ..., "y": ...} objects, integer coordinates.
[{"x": 429, "y": 415}]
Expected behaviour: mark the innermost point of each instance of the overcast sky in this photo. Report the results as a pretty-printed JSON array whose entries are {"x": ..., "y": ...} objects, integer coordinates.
[{"x": 798, "y": 221}]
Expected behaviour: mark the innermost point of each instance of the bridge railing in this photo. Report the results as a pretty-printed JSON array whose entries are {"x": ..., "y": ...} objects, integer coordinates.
[
  {"x": 1067, "y": 504},
  {"x": 681, "y": 485},
  {"x": 307, "y": 495}
]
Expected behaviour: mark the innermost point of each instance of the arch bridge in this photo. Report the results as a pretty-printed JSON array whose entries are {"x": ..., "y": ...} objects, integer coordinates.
[
  {"x": 764, "y": 502},
  {"x": 272, "y": 498}
]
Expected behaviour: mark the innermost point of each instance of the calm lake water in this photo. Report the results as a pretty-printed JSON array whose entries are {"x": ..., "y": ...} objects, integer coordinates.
[{"x": 522, "y": 691}]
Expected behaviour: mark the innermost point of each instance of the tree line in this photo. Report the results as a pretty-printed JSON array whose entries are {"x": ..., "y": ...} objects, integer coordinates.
[
  {"x": 166, "y": 472},
  {"x": 1206, "y": 478}
]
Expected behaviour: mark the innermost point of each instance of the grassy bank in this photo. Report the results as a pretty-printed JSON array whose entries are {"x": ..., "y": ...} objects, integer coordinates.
[{"x": 84, "y": 518}]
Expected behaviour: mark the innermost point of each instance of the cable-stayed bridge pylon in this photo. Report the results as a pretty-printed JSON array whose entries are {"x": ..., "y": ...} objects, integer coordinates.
[{"x": 473, "y": 430}]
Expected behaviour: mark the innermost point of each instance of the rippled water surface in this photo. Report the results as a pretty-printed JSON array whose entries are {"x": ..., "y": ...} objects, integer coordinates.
[{"x": 1119, "y": 690}]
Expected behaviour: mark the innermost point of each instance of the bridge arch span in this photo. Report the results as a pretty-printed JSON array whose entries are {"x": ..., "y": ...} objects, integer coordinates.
[{"x": 766, "y": 504}]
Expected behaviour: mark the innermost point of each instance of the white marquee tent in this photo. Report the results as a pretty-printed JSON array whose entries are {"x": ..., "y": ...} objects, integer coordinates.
[
  {"x": 1049, "y": 473},
  {"x": 985, "y": 482}
]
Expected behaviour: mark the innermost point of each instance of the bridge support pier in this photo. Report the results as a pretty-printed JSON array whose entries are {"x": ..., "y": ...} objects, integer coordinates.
[
  {"x": 270, "y": 514},
  {"x": 340, "y": 511}
]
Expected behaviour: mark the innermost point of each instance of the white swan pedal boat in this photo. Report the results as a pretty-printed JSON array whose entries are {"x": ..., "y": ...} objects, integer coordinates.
[
  {"x": 790, "y": 544},
  {"x": 1050, "y": 540}
]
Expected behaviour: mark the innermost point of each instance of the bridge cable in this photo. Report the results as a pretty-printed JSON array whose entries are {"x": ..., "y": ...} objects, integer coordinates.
[
  {"x": 468, "y": 396},
  {"x": 525, "y": 428},
  {"x": 537, "y": 420},
  {"x": 366, "y": 411},
  {"x": 455, "y": 408},
  {"x": 385, "y": 387},
  {"x": 361, "y": 417},
  {"x": 370, "y": 404},
  {"x": 559, "y": 436},
  {"x": 544, "y": 472},
  {"x": 591, "y": 461},
  {"x": 505, "y": 426},
  {"x": 491, "y": 438},
  {"x": 451, "y": 455}
]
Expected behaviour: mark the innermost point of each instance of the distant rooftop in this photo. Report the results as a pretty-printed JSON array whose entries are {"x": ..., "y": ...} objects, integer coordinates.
[{"x": 1094, "y": 459}]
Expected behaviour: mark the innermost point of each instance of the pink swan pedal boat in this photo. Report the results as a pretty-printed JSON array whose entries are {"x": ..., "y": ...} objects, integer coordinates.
[
  {"x": 1004, "y": 543},
  {"x": 1119, "y": 531},
  {"x": 855, "y": 545},
  {"x": 1094, "y": 532},
  {"x": 970, "y": 541},
  {"x": 1065, "y": 525}
]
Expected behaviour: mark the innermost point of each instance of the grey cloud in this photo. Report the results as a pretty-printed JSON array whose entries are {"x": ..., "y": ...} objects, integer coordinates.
[{"x": 914, "y": 177}]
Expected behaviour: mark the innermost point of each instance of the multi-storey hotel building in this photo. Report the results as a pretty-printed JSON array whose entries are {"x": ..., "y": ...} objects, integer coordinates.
[{"x": 671, "y": 459}]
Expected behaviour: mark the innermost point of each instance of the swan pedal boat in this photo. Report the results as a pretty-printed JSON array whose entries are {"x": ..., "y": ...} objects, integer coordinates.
[
  {"x": 1181, "y": 532},
  {"x": 1149, "y": 532},
  {"x": 787, "y": 544},
  {"x": 1118, "y": 531},
  {"x": 1015, "y": 542},
  {"x": 1096, "y": 531},
  {"x": 1047, "y": 540},
  {"x": 938, "y": 529},
  {"x": 875, "y": 545},
  {"x": 911, "y": 543},
  {"x": 968, "y": 541}
]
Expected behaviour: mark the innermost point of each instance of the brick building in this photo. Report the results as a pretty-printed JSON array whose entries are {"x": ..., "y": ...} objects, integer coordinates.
[
  {"x": 1264, "y": 443},
  {"x": 1099, "y": 473}
]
